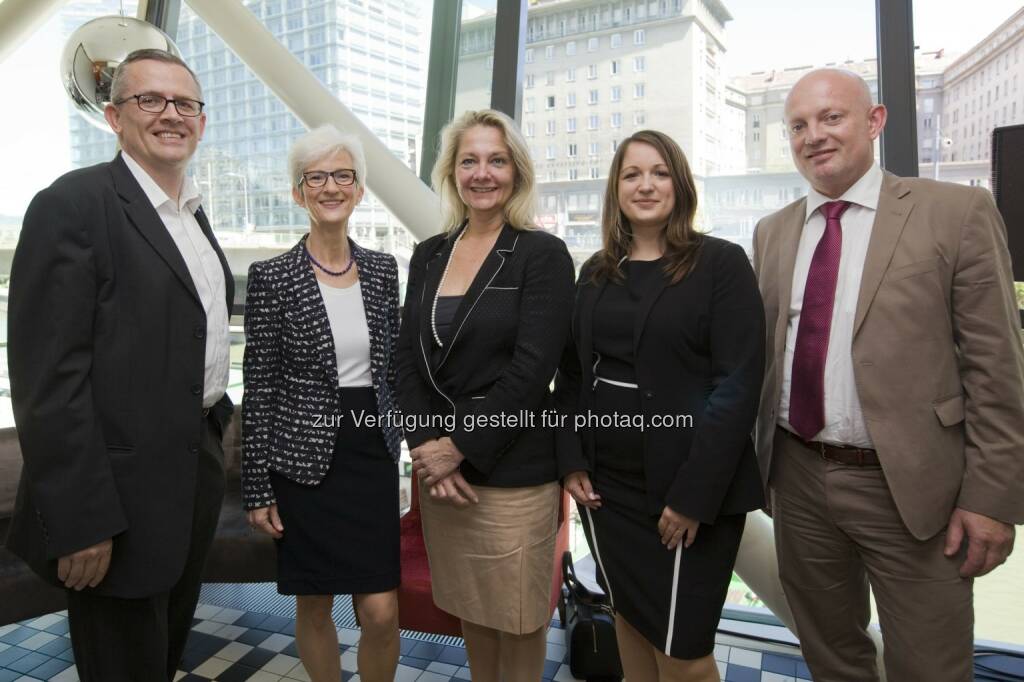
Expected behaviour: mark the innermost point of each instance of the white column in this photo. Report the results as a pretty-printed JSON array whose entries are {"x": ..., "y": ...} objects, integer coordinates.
[
  {"x": 19, "y": 19},
  {"x": 398, "y": 187}
]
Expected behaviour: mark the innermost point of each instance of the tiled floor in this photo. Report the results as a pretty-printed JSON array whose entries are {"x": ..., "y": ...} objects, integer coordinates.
[{"x": 230, "y": 642}]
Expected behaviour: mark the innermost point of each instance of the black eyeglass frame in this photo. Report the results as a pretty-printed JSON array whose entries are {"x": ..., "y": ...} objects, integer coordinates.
[
  {"x": 138, "y": 101},
  {"x": 332, "y": 174}
]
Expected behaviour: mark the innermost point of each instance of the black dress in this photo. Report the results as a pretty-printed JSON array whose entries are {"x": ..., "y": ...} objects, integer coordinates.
[{"x": 673, "y": 598}]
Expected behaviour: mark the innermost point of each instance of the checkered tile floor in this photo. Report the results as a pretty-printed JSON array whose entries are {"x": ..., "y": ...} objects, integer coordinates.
[{"x": 232, "y": 644}]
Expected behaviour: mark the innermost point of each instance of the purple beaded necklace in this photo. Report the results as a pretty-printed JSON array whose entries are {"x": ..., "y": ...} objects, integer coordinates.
[{"x": 332, "y": 273}]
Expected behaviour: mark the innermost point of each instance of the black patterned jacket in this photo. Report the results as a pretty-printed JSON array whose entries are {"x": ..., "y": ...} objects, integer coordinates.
[{"x": 291, "y": 374}]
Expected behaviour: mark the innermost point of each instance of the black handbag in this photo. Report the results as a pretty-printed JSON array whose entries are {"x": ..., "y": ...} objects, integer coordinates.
[{"x": 589, "y": 623}]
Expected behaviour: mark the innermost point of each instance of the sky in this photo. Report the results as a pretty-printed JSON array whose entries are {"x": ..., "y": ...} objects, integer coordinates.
[{"x": 763, "y": 35}]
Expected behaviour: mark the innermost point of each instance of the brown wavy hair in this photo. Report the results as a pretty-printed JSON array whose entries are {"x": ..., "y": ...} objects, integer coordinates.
[{"x": 682, "y": 241}]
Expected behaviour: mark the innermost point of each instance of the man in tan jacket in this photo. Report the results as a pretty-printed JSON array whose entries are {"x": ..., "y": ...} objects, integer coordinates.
[{"x": 891, "y": 426}]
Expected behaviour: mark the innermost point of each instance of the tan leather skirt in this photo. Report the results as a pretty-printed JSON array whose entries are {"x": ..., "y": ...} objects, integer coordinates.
[{"x": 491, "y": 563}]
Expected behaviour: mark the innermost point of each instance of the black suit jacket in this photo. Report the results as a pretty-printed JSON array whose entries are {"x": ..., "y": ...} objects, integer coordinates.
[
  {"x": 106, "y": 350},
  {"x": 507, "y": 336},
  {"x": 291, "y": 409},
  {"x": 699, "y": 351}
]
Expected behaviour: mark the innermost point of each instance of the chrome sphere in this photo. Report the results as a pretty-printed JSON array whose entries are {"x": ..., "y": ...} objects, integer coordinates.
[{"x": 94, "y": 51}]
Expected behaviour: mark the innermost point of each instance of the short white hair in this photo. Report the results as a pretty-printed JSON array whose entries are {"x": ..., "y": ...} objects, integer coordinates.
[{"x": 321, "y": 142}]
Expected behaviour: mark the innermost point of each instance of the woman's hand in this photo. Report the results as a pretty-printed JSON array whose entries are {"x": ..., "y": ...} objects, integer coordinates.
[
  {"x": 676, "y": 528},
  {"x": 435, "y": 459},
  {"x": 454, "y": 488},
  {"x": 578, "y": 485},
  {"x": 267, "y": 520}
]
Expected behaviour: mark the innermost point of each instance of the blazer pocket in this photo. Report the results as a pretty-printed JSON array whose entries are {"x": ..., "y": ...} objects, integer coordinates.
[
  {"x": 498, "y": 288},
  {"x": 950, "y": 411},
  {"x": 912, "y": 269}
]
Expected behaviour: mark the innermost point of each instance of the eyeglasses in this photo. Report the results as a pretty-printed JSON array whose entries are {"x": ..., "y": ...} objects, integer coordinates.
[
  {"x": 155, "y": 104},
  {"x": 343, "y": 177}
]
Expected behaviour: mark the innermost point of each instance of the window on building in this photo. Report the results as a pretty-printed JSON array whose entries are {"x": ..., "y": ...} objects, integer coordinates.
[
  {"x": 570, "y": 125},
  {"x": 549, "y": 78},
  {"x": 615, "y": 40},
  {"x": 592, "y": 71},
  {"x": 550, "y": 126},
  {"x": 529, "y": 80},
  {"x": 591, "y": 44},
  {"x": 549, "y": 102},
  {"x": 570, "y": 74},
  {"x": 574, "y": 174},
  {"x": 529, "y": 129},
  {"x": 570, "y": 48},
  {"x": 639, "y": 64},
  {"x": 638, "y": 90},
  {"x": 550, "y": 152},
  {"x": 616, "y": 93},
  {"x": 571, "y": 150},
  {"x": 592, "y": 97},
  {"x": 595, "y": 172},
  {"x": 593, "y": 149},
  {"x": 592, "y": 122},
  {"x": 639, "y": 118},
  {"x": 529, "y": 105},
  {"x": 616, "y": 119},
  {"x": 614, "y": 67},
  {"x": 549, "y": 52},
  {"x": 529, "y": 55},
  {"x": 570, "y": 99},
  {"x": 639, "y": 37}
]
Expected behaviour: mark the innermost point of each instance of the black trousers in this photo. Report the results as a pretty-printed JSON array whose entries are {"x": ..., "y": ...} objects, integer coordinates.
[{"x": 142, "y": 640}]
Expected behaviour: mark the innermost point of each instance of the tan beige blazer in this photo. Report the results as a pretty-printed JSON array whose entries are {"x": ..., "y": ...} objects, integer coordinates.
[{"x": 936, "y": 350}]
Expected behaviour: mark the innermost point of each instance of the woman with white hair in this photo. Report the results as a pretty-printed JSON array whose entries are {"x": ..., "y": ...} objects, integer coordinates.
[
  {"x": 319, "y": 454},
  {"x": 486, "y": 316}
]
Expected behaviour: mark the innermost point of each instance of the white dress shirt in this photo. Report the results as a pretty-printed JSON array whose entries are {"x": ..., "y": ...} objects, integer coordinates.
[
  {"x": 351, "y": 334},
  {"x": 844, "y": 420},
  {"x": 203, "y": 266}
]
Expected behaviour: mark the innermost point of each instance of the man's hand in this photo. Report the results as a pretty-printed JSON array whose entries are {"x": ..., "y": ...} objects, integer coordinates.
[
  {"x": 578, "y": 485},
  {"x": 989, "y": 541},
  {"x": 267, "y": 520},
  {"x": 454, "y": 488},
  {"x": 676, "y": 528},
  {"x": 435, "y": 459},
  {"x": 86, "y": 567}
]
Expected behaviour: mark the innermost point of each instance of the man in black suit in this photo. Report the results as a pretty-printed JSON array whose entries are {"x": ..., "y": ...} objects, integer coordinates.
[{"x": 118, "y": 353}]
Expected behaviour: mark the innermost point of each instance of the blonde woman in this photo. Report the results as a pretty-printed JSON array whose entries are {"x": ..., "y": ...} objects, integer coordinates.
[
  {"x": 485, "y": 319},
  {"x": 320, "y": 323}
]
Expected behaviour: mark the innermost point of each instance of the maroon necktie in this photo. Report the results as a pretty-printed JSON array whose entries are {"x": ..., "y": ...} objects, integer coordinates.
[{"x": 807, "y": 385}]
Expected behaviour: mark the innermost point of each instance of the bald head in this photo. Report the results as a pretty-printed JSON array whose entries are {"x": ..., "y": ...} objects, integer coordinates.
[
  {"x": 832, "y": 126},
  {"x": 852, "y": 86}
]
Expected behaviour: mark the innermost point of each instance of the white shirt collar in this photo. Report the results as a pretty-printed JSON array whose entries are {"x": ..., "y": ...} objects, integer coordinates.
[
  {"x": 864, "y": 193},
  {"x": 190, "y": 197}
]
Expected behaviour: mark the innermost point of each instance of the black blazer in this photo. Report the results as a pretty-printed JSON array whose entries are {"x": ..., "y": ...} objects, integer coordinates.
[
  {"x": 291, "y": 407},
  {"x": 106, "y": 349},
  {"x": 699, "y": 349},
  {"x": 507, "y": 336}
]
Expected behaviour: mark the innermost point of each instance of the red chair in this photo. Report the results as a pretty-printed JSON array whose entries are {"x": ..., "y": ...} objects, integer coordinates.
[{"x": 416, "y": 609}]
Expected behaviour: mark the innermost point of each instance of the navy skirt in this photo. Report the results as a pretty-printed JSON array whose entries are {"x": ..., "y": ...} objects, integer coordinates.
[{"x": 342, "y": 536}]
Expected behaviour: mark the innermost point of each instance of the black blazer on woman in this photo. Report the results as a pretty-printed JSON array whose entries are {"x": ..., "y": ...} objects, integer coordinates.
[
  {"x": 506, "y": 338},
  {"x": 291, "y": 406},
  {"x": 699, "y": 351}
]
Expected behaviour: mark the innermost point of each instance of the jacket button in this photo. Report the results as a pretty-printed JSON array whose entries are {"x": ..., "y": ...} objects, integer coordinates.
[
  {"x": 199, "y": 332},
  {"x": 197, "y": 389},
  {"x": 649, "y": 394},
  {"x": 193, "y": 448}
]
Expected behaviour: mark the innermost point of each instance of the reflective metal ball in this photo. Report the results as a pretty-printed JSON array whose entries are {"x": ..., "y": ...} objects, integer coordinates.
[{"x": 93, "y": 52}]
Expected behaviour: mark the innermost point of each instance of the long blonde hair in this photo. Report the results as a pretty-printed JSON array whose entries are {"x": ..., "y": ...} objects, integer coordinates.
[
  {"x": 521, "y": 207},
  {"x": 682, "y": 241}
]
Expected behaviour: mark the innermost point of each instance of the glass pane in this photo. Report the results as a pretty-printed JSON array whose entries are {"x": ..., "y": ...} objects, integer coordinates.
[
  {"x": 42, "y": 150},
  {"x": 476, "y": 56},
  {"x": 970, "y": 80}
]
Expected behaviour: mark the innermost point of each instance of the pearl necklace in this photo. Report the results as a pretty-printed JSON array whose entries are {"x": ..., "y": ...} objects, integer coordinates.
[{"x": 440, "y": 285}]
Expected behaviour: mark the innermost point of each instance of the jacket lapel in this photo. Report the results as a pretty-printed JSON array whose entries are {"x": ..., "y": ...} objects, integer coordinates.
[
  {"x": 589, "y": 295},
  {"x": 307, "y": 289},
  {"x": 433, "y": 270},
  {"x": 893, "y": 210},
  {"x": 146, "y": 220},
  {"x": 644, "y": 308},
  {"x": 789, "y": 242},
  {"x": 504, "y": 246},
  {"x": 375, "y": 309},
  {"x": 229, "y": 282}
]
